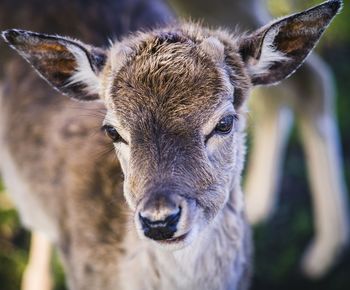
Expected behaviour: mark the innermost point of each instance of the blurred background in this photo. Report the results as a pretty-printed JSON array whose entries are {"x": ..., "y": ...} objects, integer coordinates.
[{"x": 280, "y": 242}]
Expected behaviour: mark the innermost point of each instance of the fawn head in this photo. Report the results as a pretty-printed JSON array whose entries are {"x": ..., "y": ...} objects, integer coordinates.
[{"x": 175, "y": 107}]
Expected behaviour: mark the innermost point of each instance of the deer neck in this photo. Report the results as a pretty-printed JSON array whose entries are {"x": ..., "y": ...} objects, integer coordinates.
[{"x": 213, "y": 261}]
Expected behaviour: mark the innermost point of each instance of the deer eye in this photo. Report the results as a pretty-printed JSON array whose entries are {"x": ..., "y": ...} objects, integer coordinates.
[
  {"x": 224, "y": 126},
  {"x": 112, "y": 133}
]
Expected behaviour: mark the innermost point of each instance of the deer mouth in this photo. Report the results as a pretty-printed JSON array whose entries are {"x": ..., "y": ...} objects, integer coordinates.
[
  {"x": 176, "y": 243},
  {"x": 174, "y": 240}
]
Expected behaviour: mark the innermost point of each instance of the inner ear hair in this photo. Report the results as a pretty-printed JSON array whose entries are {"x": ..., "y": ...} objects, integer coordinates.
[
  {"x": 70, "y": 66},
  {"x": 276, "y": 50}
]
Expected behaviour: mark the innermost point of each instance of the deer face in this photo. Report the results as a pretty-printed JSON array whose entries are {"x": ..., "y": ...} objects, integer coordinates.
[
  {"x": 175, "y": 108},
  {"x": 176, "y": 131}
]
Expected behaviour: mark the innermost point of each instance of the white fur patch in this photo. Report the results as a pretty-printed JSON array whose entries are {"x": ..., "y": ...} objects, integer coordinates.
[
  {"x": 269, "y": 55},
  {"x": 214, "y": 260},
  {"x": 83, "y": 72}
]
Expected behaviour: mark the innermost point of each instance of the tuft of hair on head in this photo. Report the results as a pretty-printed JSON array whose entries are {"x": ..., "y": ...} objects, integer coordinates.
[{"x": 213, "y": 48}]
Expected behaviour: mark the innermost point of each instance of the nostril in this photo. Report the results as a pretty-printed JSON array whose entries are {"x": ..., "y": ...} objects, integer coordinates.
[
  {"x": 160, "y": 229},
  {"x": 170, "y": 219},
  {"x": 174, "y": 218},
  {"x": 145, "y": 222}
]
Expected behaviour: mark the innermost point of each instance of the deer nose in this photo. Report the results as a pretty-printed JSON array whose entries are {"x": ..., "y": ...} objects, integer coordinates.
[{"x": 160, "y": 229}]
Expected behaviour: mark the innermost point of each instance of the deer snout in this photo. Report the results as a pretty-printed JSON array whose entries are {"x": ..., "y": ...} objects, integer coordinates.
[
  {"x": 159, "y": 214},
  {"x": 160, "y": 229}
]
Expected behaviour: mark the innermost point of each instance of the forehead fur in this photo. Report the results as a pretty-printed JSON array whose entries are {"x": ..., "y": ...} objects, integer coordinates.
[{"x": 176, "y": 73}]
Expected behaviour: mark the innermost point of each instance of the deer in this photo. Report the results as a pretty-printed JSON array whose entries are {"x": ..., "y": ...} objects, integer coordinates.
[
  {"x": 308, "y": 97},
  {"x": 166, "y": 210}
]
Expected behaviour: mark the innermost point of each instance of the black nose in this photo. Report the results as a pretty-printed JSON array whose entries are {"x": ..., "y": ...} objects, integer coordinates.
[{"x": 160, "y": 229}]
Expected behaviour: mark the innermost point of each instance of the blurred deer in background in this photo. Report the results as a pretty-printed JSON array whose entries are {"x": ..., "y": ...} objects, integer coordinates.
[
  {"x": 174, "y": 102},
  {"x": 93, "y": 22},
  {"x": 309, "y": 96}
]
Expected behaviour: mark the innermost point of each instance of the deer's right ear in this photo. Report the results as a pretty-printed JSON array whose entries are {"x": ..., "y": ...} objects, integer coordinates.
[{"x": 68, "y": 65}]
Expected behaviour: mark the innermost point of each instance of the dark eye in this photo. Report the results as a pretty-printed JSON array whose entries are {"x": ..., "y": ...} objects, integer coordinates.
[
  {"x": 225, "y": 125},
  {"x": 112, "y": 133}
]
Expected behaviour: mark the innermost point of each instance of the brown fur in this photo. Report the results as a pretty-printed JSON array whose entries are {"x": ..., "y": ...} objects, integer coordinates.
[{"x": 165, "y": 93}]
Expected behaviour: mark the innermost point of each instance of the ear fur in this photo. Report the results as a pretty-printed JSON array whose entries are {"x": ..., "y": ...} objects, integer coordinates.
[
  {"x": 68, "y": 65},
  {"x": 276, "y": 50}
]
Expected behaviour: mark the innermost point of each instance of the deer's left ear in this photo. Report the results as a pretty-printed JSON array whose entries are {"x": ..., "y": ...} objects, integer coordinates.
[
  {"x": 68, "y": 65},
  {"x": 275, "y": 51}
]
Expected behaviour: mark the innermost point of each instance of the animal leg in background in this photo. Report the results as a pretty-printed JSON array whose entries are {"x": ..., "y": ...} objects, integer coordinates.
[
  {"x": 37, "y": 275},
  {"x": 320, "y": 138},
  {"x": 270, "y": 127}
]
